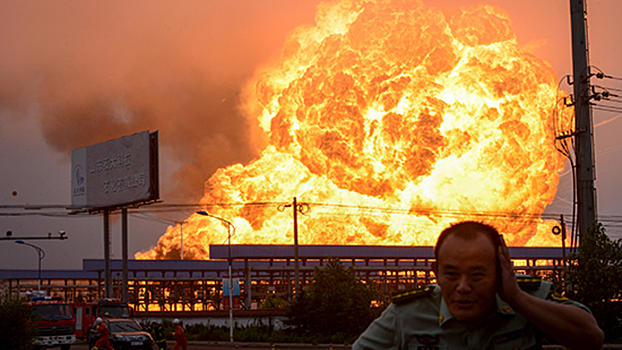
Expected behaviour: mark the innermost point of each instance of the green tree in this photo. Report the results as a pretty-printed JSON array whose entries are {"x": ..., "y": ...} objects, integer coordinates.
[
  {"x": 336, "y": 302},
  {"x": 595, "y": 275},
  {"x": 17, "y": 327},
  {"x": 274, "y": 301}
]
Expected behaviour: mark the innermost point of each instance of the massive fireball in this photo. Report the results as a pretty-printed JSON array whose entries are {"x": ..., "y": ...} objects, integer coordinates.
[{"x": 390, "y": 120}]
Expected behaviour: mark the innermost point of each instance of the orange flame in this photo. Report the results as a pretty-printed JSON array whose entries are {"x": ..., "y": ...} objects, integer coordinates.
[{"x": 391, "y": 120}]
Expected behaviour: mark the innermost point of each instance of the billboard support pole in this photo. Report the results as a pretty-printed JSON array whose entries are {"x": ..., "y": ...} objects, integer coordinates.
[
  {"x": 124, "y": 248},
  {"x": 107, "y": 272}
]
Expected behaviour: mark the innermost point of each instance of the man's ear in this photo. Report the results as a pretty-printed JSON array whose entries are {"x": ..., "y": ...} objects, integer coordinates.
[{"x": 434, "y": 269}]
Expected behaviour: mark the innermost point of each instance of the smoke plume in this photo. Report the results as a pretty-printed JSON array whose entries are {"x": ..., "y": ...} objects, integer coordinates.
[{"x": 95, "y": 71}]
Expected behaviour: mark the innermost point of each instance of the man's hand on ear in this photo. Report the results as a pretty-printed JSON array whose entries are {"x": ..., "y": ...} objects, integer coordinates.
[{"x": 508, "y": 286}]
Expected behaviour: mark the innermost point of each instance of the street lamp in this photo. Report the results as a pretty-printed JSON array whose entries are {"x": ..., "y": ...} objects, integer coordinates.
[
  {"x": 41, "y": 254},
  {"x": 229, "y": 234},
  {"x": 181, "y": 228}
]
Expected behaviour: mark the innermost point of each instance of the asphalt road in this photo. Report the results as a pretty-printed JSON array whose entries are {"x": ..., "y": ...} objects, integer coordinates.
[
  {"x": 261, "y": 346},
  {"x": 192, "y": 345}
]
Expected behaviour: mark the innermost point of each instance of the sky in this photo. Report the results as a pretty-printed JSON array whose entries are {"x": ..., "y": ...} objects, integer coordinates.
[{"x": 76, "y": 73}]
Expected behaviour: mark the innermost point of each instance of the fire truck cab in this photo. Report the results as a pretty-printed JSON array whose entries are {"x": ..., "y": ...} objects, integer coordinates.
[
  {"x": 86, "y": 313},
  {"x": 55, "y": 322}
]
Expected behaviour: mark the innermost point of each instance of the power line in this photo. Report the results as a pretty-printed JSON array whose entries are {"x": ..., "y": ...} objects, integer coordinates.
[
  {"x": 182, "y": 208},
  {"x": 607, "y": 88},
  {"x": 601, "y": 74},
  {"x": 607, "y": 109},
  {"x": 149, "y": 213},
  {"x": 610, "y": 101}
]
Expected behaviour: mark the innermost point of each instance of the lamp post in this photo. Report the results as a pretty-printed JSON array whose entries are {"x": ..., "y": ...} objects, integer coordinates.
[
  {"x": 41, "y": 254},
  {"x": 229, "y": 234},
  {"x": 181, "y": 228}
]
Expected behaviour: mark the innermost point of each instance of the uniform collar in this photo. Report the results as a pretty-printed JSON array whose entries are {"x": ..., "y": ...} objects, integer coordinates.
[
  {"x": 503, "y": 309},
  {"x": 444, "y": 314}
]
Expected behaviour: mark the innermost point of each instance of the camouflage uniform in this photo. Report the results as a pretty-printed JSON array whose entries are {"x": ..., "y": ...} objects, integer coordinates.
[{"x": 420, "y": 320}]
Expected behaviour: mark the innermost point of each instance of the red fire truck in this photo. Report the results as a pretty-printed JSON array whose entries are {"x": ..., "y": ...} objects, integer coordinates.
[
  {"x": 55, "y": 322},
  {"x": 86, "y": 313}
]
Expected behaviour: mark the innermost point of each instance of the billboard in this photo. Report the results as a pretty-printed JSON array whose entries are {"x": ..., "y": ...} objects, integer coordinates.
[{"x": 116, "y": 173}]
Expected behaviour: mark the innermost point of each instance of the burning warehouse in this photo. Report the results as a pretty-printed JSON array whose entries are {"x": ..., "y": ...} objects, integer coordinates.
[{"x": 194, "y": 286}]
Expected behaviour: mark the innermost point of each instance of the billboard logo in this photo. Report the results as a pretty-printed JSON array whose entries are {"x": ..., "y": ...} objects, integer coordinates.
[
  {"x": 79, "y": 189},
  {"x": 79, "y": 177}
]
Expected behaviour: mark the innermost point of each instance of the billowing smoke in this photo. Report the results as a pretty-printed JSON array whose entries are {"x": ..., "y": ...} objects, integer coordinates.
[{"x": 94, "y": 71}]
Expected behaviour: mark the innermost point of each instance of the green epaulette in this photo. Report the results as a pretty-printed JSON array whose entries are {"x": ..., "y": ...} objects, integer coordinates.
[
  {"x": 528, "y": 283},
  {"x": 413, "y": 294}
]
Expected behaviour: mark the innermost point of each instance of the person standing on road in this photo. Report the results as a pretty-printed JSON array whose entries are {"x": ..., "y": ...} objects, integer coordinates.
[
  {"x": 180, "y": 337},
  {"x": 158, "y": 335},
  {"x": 104, "y": 335}
]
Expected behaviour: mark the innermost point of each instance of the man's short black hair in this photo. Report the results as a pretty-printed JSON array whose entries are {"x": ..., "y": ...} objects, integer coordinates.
[{"x": 468, "y": 230}]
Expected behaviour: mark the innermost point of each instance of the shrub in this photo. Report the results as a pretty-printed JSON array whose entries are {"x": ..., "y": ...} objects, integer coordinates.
[
  {"x": 336, "y": 303},
  {"x": 17, "y": 327},
  {"x": 595, "y": 274}
]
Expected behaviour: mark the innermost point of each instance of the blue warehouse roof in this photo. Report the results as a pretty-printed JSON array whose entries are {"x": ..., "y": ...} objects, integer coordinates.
[
  {"x": 256, "y": 251},
  {"x": 47, "y": 274}
]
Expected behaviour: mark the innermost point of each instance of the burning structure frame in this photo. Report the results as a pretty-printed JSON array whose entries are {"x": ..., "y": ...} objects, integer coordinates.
[{"x": 194, "y": 287}]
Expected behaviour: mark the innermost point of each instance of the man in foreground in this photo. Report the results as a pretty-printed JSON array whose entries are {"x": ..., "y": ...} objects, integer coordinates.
[{"x": 478, "y": 303}]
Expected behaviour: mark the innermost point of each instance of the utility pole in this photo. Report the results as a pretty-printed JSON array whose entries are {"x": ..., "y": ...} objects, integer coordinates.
[
  {"x": 586, "y": 204},
  {"x": 296, "y": 267},
  {"x": 296, "y": 207}
]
